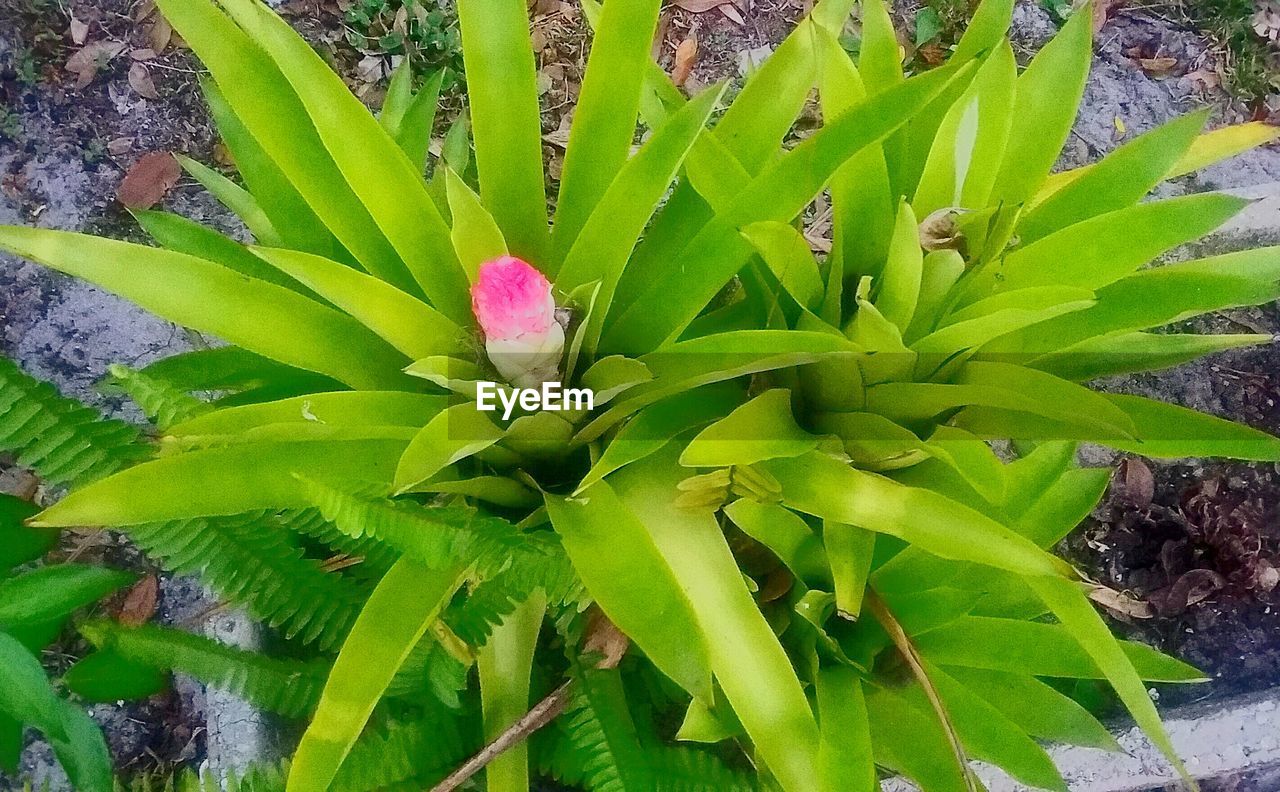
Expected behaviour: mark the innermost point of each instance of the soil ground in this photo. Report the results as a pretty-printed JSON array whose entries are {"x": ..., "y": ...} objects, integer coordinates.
[{"x": 63, "y": 151}]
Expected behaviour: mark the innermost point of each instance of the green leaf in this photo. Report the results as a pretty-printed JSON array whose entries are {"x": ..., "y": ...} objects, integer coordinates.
[
  {"x": 880, "y": 57},
  {"x": 969, "y": 144},
  {"x": 503, "y": 92},
  {"x": 623, "y": 568},
  {"x": 456, "y": 433},
  {"x": 260, "y": 98},
  {"x": 1121, "y": 179},
  {"x": 476, "y": 236},
  {"x": 504, "y": 664},
  {"x": 941, "y": 270},
  {"x": 787, "y": 253},
  {"x": 290, "y": 215},
  {"x": 229, "y": 480},
  {"x": 605, "y": 242},
  {"x": 1155, "y": 297},
  {"x": 108, "y": 677},
  {"x": 268, "y": 319},
  {"x": 989, "y": 735},
  {"x": 378, "y": 172},
  {"x": 1106, "y": 248},
  {"x": 27, "y": 696},
  {"x": 828, "y": 488},
  {"x": 409, "y": 119},
  {"x": 1167, "y": 430},
  {"x": 20, "y": 544},
  {"x": 845, "y": 758},
  {"x": 1087, "y": 628},
  {"x": 1126, "y": 353},
  {"x": 404, "y": 605},
  {"x": 746, "y": 657},
  {"x": 340, "y": 408},
  {"x": 1038, "y": 649},
  {"x": 763, "y": 428},
  {"x": 53, "y": 592},
  {"x": 715, "y": 358},
  {"x": 850, "y": 553},
  {"x": 780, "y": 192},
  {"x": 786, "y": 534},
  {"x": 910, "y": 740},
  {"x": 604, "y": 119},
  {"x": 235, "y": 198},
  {"x": 181, "y": 235},
  {"x": 898, "y": 287},
  {"x": 655, "y": 426},
  {"x": 1036, "y": 707},
  {"x": 610, "y": 376},
  {"x": 922, "y": 401},
  {"x": 403, "y": 321},
  {"x": 861, "y": 197},
  {"x": 1046, "y": 99},
  {"x": 928, "y": 25}
]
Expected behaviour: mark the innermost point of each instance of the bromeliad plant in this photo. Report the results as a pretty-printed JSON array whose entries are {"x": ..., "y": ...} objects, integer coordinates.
[{"x": 783, "y": 494}]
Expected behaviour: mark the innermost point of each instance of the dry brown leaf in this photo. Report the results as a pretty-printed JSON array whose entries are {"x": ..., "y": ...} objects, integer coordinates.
[
  {"x": 1102, "y": 11},
  {"x": 79, "y": 31},
  {"x": 144, "y": 54},
  {"x": 149, "y": 180},
  {"x": 85, "y": 62},
  {"x": 160, "y": 34},
  {"x": 699, "y": 6},
  {"x": 604, "y": 638},
  {"x": 223, "y": 156},
  {"x": 1137, "y": 483},
  {"x": 1204, "y": 79},
  {"x": 120, "y": 145},
  {"x": 732, "y": 13},
  {"x": 144, "y": 10},
  {"x": 1157, "y": 67},
  {"x": 140, "y": 82},
  {"x": 1121, "y": 603},
  {"x": 140, "y": 603},
  {"x": 686, "y": 56}
]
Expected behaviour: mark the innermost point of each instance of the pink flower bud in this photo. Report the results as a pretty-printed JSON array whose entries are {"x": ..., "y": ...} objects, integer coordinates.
[{"x": 513, "y": 303}]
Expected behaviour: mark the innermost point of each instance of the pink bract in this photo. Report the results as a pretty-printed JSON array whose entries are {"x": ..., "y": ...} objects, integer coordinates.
[{"x": 511, "y": 299}]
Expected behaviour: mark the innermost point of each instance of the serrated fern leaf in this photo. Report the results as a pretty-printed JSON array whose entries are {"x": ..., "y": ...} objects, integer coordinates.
[
  {"x": 546, "y": 568},
  {"x": 60, "y": 439},
  {"x": 252, "y": 560},
  {"x": 286, "y": 687},
  {"x": 162, "y": 403},
  {"x": 432, "y": 534},
  {"x": 376, "y": 557},
  {"x": 594, "y": 742},
  {"x": 430, "y": 669},
  {"x": 422, "y": 751},
  {"x": 681, "y": 769}
]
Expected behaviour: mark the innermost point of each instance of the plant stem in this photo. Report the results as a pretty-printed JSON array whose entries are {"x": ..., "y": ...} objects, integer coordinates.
[{"x": 542, "y": 713}]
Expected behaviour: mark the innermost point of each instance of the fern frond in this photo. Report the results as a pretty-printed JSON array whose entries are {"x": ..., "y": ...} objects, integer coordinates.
[
  {"x": 683, "y": 769},
  {"x": 163, "y": 404},
  {"x": 252, "y": 560},
  {"x": 543, "y": 565},
  {"x": 432, "y": 534},
  {"x": 594, "y": 743},
  {"x": 286, "y": 687},
  {"x": 430, "y": 669},
  {"x": 422, "y": 751},
  {"x": 377, "y": 556},
  {"x": 59, "y": 438}
]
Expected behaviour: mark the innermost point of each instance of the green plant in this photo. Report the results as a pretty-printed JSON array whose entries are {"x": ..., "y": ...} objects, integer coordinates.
[
  {"x": 425, "y": 32},
  {"x": 66, "y": 443},
  {"x": 783, "y": 494}
]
